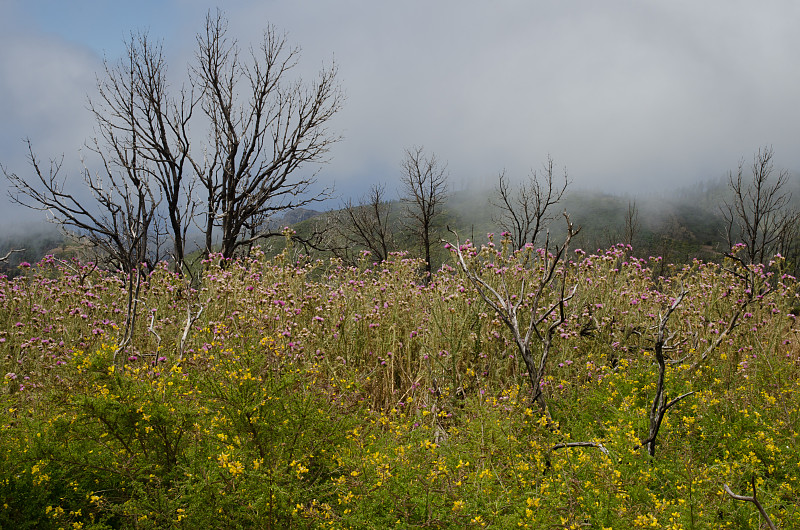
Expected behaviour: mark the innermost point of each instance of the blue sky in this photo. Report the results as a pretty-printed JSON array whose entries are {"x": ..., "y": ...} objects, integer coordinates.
[
  {"x": 636, "y": 95},
  {"x": 99, "y": 25}
]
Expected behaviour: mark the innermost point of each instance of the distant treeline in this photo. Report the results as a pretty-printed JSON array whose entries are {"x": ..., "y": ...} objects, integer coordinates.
[
  {"x": 29, "y": 246},
  {"x": 679, "y": 227}
]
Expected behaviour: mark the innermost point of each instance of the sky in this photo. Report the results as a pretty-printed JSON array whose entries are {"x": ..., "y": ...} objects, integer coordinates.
[{"x": 636, "y": 96}]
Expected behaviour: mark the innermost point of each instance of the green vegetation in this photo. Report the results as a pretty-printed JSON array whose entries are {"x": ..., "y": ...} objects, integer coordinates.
[
  {"x": 308, "y": 394},
  {"x": 679, "y": 228}
]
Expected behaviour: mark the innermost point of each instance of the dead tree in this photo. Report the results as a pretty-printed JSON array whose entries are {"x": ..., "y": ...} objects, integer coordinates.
[
  {"x": 660, "y": 404},
  {"x": 527, "y": 302},
  {"x": 143, "y": 148},
  {"x": 239, "y": 131},
  {"x": 757, "y": 212},
  {"x": 134, "y": 102},
  {"x": 366, "y": 225},
  {"x": 118, "y": 216},
  {"x": 116, "y": 221},
  {"x": 631, "y": 223},
  {"x": 424, "y": 185},
  {"x": 527, "y": 210},
  {"x": 118, "y": 224},
  {"x": 263, "y": 128}
]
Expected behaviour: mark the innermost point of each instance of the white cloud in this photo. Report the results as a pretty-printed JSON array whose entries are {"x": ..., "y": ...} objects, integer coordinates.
[{"x": 626, "y": 94}]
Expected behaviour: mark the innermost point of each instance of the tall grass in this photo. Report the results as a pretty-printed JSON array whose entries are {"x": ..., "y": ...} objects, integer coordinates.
[{"x": 309, "y": 394}]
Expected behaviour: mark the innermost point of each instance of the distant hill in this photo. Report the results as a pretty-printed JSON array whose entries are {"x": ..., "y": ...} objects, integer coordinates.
[
  {"x": 293, "y": 216},
  {"x": 685, "y": 225},
  {"x": 33, "y": 244},
  {"x": 679, "y": 227}
]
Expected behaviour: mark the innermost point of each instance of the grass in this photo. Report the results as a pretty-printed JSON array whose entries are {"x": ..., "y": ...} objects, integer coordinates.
[{"x": 313, "y": 395}]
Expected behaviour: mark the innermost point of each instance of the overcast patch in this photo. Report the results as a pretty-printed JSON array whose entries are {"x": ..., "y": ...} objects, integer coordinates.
[{"x": 627, "y": 95}]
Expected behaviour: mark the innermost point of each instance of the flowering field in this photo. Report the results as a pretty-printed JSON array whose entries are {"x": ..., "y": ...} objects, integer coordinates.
[{"x": 287, "y": 393}]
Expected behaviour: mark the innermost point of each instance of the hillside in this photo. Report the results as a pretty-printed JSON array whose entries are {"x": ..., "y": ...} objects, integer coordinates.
[
  {"x": 286, "y": 394},
  {"x": 679, "y": 228}
]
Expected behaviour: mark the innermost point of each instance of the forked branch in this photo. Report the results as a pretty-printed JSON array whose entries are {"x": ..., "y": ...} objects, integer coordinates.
[
  {"x": 752, "y": 499},
  {"x": 191, "y": 318},
  {"x": 660, "y": 404},
  {"x": 8, "y": 254},
  {"x": 544, "y": 320}
]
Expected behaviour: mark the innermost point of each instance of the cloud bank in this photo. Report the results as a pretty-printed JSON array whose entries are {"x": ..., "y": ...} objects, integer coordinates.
[{"x": 628, "y": 96}]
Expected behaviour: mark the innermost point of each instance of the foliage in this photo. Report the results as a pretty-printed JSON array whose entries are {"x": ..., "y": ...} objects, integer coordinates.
[{"x": 311, "y": 394}]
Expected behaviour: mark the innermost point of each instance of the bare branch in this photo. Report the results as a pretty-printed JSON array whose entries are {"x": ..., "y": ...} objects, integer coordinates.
[
  {"x": 752, "y": 499},
  {"x": 8, "y": 254},
  {"x": 191, "y": 318},
  {"x": 757, "y": 214},
  {"x": 152, "y": 330},
  {"x": 542, "y": 323},
  {"x": 660, "y": 405},
  {"x": 580, "y": 444},
  {"x": 526, "y": 209},
  {"x": 424, "y": 183}
]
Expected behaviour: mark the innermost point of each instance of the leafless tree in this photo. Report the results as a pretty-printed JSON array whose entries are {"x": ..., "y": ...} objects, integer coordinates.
[
  {"x": 121, "y": 213},
  {"x": 513, "y": 306},
  {"x": 424, "y": 185},
  {"x": 263, "y": 128},
  {"x": 260, "y": 129},
  {"x": 137, "y": 117},
  {"x": 757, "y": 213},
  {"x": 631, "y": 223},
  {"x": 622, "y": 234},
  {"x": 526, "y": 210},
  {"x": 143, "y": 147},
  {"x": 119, "y": 222},
  {"x": 660, "y": 404},
  {"x": 366, "y": 224}
]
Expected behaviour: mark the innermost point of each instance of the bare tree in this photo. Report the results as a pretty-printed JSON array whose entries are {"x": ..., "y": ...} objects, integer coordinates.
[
  {"x": 424, "y": 184},
  {"x": 631, "y": 223},
  {"x": 529, "y": 301},
  {"x": 366, "y": 225},
  {"x": 757, "y": 214},
  {"x": 660, "y": 404},
  {"x": 139, "y": 120},
  {"x": 121, "y": 214},
  {"x": 526, "y": 210},
  {"x": 263, "y": 128},
  {"x": 143, "y": 148},
  {"x": 118, "y": 224}
]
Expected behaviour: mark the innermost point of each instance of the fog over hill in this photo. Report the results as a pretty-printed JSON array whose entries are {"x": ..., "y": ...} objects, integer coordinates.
[
  {"x": 680, "y": 224},
  {"x": 629, "y": 97}
]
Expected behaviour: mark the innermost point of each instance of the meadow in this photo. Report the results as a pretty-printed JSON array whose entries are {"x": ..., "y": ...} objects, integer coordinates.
[{"x": 297, "y": 393}]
